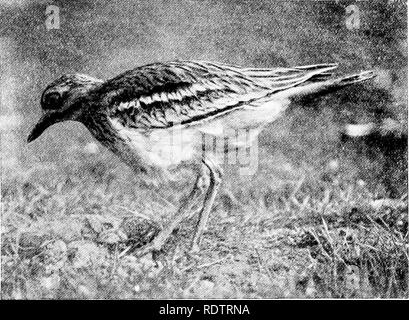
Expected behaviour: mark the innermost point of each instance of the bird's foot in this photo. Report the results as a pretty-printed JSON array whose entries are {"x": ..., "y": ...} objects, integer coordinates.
[
  {"x": 196, "y": 244},
  {"x": 195, "y": 248},
  {"x": 154, "y": 247},
  {"x": 112, "y": 236},
  {"x": 106, "y": 229}
]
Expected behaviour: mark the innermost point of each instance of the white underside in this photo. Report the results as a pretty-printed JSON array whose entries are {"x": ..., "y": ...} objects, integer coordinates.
[{"x": 169, "y": 147}]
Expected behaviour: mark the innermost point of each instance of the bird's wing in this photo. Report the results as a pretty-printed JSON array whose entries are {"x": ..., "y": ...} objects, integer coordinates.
[{"x": 162, "y": 95}]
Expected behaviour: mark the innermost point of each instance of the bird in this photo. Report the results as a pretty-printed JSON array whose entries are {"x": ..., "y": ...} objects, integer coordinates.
[{"x": 156, "y": 116}]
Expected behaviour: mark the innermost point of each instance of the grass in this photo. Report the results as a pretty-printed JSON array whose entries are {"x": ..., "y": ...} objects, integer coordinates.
[{"x": 305, "y": 237}]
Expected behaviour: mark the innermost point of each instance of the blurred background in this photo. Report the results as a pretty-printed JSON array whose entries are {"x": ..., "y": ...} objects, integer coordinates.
[{"x": 314, "y": 138}]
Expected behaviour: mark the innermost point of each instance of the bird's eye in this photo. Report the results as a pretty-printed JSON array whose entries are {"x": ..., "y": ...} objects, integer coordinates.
[{"x": 52, "y": 101}]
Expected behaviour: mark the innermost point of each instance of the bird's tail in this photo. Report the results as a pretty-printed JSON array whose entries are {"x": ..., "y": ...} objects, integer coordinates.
[{"x": 320, "y": 85}]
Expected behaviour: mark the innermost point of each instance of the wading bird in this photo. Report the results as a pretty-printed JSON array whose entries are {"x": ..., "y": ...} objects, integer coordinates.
[{"x": 134, "y": 113}]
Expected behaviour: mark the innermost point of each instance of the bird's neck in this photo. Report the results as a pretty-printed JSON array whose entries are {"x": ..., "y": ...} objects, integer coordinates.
[{"x": 88, "y": 104}]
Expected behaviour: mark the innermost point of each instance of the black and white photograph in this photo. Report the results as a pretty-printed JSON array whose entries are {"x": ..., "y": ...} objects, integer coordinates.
[{"x": 205, "y": 150}]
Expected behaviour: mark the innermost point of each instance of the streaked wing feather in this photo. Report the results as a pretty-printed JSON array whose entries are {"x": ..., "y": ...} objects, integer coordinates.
[{"x": 164, "y": 94}]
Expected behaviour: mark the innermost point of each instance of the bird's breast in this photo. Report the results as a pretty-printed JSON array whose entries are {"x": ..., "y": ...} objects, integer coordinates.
[{"x": 161, "y": 147}]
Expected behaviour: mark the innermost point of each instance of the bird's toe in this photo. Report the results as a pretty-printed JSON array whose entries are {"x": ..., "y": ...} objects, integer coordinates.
[{"x": 112, "y": 236}]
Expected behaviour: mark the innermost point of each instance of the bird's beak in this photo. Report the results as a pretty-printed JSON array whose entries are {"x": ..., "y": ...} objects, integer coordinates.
[{"x": 45, "y": 121}]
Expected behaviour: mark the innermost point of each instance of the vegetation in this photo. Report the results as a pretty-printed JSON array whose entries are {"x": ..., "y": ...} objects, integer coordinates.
[{"x": 309, "y": 238}]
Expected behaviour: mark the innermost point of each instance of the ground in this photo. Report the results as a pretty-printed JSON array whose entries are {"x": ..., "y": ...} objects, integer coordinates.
[{"x": 308, "y": 237}]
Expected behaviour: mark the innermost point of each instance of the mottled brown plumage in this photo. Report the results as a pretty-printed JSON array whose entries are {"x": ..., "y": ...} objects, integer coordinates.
[{"x": 164, "y": 94}]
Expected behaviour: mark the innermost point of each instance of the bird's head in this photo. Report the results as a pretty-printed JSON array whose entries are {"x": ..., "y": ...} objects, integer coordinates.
[{"x": 62, "y": 100}]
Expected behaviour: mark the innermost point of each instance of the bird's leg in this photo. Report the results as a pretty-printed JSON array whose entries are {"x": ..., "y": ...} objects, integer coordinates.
[
  {"x": 216, "y": 174},
  {"x": 184, "y": 211}
]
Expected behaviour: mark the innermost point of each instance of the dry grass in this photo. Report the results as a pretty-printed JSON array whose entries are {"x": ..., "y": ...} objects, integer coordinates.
[{"x": 306, "y": 238}]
